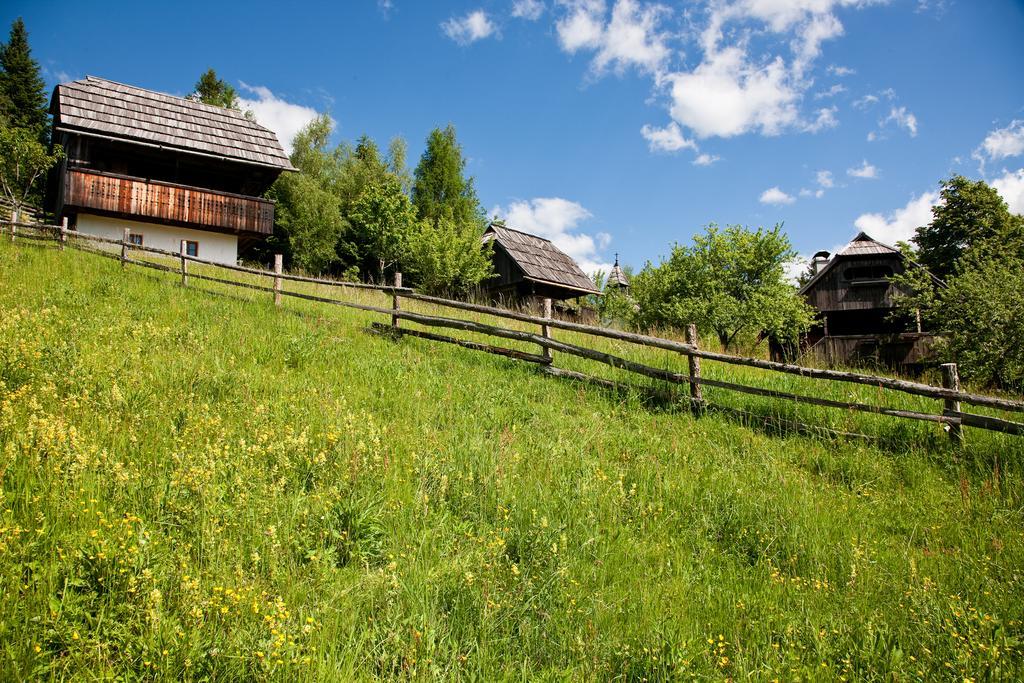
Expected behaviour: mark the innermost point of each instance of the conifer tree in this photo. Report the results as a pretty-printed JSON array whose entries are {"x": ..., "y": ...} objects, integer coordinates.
[
  {"x": 215, "y": 91},
  {"x": 23, "y": 100},
  {"x": 440, "y": 187}
]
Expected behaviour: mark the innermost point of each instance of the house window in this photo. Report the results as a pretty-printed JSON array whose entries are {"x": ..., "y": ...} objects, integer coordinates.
[
  {"x": 192, "y": 248},
  {"x": 135, "y": 238},
  {"x": 869, "y": 273}
]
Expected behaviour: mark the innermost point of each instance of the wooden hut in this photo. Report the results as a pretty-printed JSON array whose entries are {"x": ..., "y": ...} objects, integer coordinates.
[
  {"x": 166, "y": 168},
  {"x": 530, "y": 268},
  {"x": 855, "y": 299}
]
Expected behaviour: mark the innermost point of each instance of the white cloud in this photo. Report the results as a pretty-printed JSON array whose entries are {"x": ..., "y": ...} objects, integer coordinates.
[
  {"x": 556, "y": 219},
  {"x": 751, "y": 73},
  {"x": 468, "y": 29},
  {"x": 1004, "y": 142},
  {"x": 629, "y": 38},
  {"x": 705, "y": 159},
  {"x": 284, "y": 118},
  {"x": 865, "y": 171},
  {"x": 775, "y": 197},
  {"x": 385, "y": 7},
  {"x": 899, "y": 225},
  {"x": 825, "y": 179},
  {"x": 527, "y": 9},
  {"x": 902, "y": 118},
  {"x": 826, "y": 119},
  {"x": 865, "y": 102},
  {"x": 667, "y": 139},
  {"x": 1011, "y": 186},
  {"x": 727, "y": 96},
  {"x": 836, "y": 89}
]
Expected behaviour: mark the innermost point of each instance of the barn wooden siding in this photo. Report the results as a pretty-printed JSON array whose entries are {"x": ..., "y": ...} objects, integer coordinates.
[{"x": 166, "y": 202}]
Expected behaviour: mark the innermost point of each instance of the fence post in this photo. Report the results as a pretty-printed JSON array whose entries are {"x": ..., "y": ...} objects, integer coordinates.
[
  {"x": 63, "y": 232},
  {"x": 951, "y": 380},
  {"x": 278, "y": 267},
  {"x": 545, "y": 331},
  {"x": 184, "y": 264},
  {"x": 124, "y": 246},
  {"x": 394, "y": 300},
  {"x": 696, "y": 391},
  {"x": 14, "y": 219}
]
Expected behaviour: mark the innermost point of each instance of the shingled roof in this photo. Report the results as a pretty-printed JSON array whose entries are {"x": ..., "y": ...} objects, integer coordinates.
[
  {"x": 539, "y": 259},
  {"x": 98, "y": 106},
  {"x": 861, "y": 245},
  {"x": 617, "y": 278}
]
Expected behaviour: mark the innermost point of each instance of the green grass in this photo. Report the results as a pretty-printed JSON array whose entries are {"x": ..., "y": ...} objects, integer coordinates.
[{"x": 197, "y": 485}]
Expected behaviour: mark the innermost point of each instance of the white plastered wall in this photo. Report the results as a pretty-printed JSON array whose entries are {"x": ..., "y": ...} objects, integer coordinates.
[{"x": 213, "y": 246}]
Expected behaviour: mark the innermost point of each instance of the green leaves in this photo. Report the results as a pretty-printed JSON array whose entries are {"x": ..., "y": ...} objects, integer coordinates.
[
  {"x": 23, "y": 160},
  {"x": 730, "y": 282}
]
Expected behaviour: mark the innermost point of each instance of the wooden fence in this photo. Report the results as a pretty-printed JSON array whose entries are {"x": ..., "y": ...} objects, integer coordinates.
[{"x": 951, "y": 415}]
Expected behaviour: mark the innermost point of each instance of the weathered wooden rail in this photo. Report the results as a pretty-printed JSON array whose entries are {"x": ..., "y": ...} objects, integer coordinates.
[{"x": 951, "y": 416}]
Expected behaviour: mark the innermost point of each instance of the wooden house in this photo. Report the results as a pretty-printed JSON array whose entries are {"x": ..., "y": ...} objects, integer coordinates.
[
  {"x": 855, "y": 299},
  {"x": 531, "y": 268},
  {"x": 166, "y": 168}
]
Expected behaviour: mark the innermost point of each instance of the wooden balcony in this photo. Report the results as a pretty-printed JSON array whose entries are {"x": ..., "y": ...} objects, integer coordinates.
[{"x": 167, "y": 203}]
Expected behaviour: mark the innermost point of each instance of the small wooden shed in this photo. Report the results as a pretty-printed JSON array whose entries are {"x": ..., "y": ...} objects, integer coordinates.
[
  {"x": 855, "y": 298},
  {"x": 530, "y": 268}
]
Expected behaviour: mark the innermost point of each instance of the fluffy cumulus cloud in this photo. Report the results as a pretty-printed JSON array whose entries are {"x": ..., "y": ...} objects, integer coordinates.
[
  {"x": 825, "y": 179},
  {"x": 865, "y": 171},
  {"x": 727, "y": 95},
  {"x": 667, "y": 139},
  {"x": 557, "y": 219},
  {"x": 527, "y": 9},
  {"x": 284, "y": 118},
  {"x": 776, "y": 197},
  {"x": 470, "y": 28},
  {"x": 1003, "y": 143},
  {"x": 705, "y": 159},
  {"x": 899, "y": 225},
  {"x": 732, "y": 84},
  {"x": 630, "y": 37},
  {"x": 1011, "y": 186}
]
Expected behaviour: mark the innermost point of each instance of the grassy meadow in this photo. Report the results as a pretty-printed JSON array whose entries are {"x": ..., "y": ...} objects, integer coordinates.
[{"x": 199, "y": 485}]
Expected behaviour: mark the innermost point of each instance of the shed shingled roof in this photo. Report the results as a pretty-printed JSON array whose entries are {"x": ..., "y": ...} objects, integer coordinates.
[
  {"x": 539, "y": 259},
  {"x": 105, "y": 107}
]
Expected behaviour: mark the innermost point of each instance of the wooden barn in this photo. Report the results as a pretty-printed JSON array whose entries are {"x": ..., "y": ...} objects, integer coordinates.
[
  {"x": 166, "y": 168},
  {"x": 530, "y": 269},
  {"x": 854, "y": 297}
]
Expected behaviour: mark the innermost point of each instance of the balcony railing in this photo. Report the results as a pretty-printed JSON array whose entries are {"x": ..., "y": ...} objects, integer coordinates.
[{"x": 167, "y": 202}]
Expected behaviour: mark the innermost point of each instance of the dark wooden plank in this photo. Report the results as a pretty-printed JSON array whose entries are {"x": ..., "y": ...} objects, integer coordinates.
[{"x": 383, "y": 329}]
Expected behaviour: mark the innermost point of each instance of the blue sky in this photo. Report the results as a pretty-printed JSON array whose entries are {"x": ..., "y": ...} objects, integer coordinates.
[{"x": 615, "y": 125}]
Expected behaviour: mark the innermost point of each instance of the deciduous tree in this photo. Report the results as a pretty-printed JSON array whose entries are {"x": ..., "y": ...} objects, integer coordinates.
[{"x": 731, "y": 283}]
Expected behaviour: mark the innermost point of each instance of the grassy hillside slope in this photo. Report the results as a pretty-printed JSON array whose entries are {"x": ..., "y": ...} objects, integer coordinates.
[{"x": 203, "y": 486}]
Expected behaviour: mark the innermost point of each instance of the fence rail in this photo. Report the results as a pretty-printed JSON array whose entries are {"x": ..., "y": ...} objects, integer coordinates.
[{"x": 952, "y": 396}]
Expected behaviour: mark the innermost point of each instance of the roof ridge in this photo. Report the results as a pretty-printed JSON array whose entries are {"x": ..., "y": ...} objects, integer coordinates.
[
  {"x": 199, "y": 104},
  {"x": 521, "y": 232}
]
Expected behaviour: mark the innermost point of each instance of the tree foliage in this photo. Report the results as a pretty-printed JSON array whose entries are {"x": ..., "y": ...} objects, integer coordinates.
[
  {"x": 969, "y": 213},
  {"x": 210, "y": 89},
  {"x": 381, "y": 221},
  {"x": 348, "y": 210},
  {"x": 23, "y": 100},
  {"x": 23, "y": 161},
  {"x": 445, "y": 258},
  {"x": 440, "y": 187},
  {"x": 730, "y": 283},
  {"x": 976, "y": 246}
]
